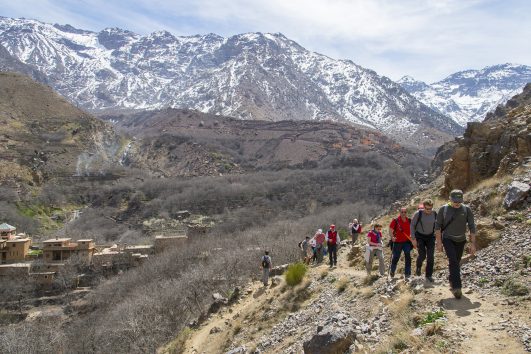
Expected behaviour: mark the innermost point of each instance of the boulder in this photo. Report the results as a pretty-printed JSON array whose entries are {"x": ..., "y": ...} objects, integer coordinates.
[
  {"x": 278, "y": 270},
  {"x": 355, "y": 252},
  {"x": 516, "y": 195},
  {"x": 219, "y": 302},
  {"x": 330, "y": 340},
  {"x": 238, "y": 350}
]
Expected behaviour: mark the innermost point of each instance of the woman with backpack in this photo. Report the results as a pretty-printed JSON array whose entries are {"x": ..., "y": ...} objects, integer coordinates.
[
  {"x": 355, "y": 230},
  {"x": 375, "y": 248}
]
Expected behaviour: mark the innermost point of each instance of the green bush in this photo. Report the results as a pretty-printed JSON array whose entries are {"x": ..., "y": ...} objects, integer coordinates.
[
  {"x": 512, "y": 287},
  {"x": 295, "y": 273}
]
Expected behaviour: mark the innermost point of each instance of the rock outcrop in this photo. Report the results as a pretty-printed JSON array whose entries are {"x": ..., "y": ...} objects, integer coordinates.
[{"x": 493, "y": 147}]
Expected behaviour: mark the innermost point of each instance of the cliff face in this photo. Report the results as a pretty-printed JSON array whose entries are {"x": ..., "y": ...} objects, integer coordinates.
[{"x": 495, "y": 146}]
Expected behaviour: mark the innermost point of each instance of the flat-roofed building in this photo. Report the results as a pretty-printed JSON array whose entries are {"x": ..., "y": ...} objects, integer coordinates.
[
  {"x": 14, "y": 250},
  {"x": 61, "y": 249},
  {"x": 163, "y": 243},
  {"x": 15, "y": 271}
]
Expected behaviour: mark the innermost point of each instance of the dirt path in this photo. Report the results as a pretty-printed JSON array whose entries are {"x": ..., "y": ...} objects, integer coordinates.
[
  {"x": 477, "y": 318},
  {"x": 474, "y": 319}
]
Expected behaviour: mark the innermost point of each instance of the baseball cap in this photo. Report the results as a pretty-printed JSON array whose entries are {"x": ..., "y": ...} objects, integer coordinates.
[{"x": 456, "y": 196}]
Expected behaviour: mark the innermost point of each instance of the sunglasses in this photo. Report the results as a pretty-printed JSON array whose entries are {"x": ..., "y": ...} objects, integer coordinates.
[{"x": 428, "y": 209}]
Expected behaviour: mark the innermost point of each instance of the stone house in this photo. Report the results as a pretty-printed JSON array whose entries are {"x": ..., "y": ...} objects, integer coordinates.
[
  {"x": 14, "y": 250},
  {"x": 61, "y": 249},
  {"x": 163, "y": 243}
]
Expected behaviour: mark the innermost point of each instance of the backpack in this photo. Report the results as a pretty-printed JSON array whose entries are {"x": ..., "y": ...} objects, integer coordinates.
[
  {"x": 397, "y": 224},
  {"x": 391, "y": 244},
  {"x": 420, "y": 218},
  {"x": 265, "y": 262},
  {"x": 453, "y": 215}
]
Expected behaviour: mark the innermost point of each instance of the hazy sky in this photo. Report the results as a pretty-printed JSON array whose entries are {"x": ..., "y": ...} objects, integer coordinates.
[{"x": 427, "y": 39}]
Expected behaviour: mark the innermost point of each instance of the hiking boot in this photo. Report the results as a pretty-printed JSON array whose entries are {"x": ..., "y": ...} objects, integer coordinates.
[
  {"x": 457, "y": 293},
  {"x": 392, "y": 274},
  {"x": 407, "y": 277},
  {"x": 430, "y": 279},
  {"x": 418, "y": 272}
]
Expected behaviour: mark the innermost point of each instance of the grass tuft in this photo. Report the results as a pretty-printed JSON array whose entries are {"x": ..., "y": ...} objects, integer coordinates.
[
  {"x": 512, "y": 287},
  {"x": 295, "y": 273}
]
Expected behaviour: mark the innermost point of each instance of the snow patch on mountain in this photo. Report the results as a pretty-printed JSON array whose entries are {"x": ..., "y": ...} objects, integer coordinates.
[{"x": 469, "y": 95}]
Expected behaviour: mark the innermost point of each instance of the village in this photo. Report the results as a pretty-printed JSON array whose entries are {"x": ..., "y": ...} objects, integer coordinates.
[{"x": 24, "y": 261}]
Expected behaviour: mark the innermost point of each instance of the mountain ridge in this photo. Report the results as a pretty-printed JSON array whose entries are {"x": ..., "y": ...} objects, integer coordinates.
[
  {"x": 247, "y": 76},
  {"x": 468, "y": 95}
]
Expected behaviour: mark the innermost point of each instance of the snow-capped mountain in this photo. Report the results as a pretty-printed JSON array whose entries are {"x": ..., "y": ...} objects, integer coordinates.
[
  {"x": 248, "y": 76},
  {"x": 469, "y": 95}
]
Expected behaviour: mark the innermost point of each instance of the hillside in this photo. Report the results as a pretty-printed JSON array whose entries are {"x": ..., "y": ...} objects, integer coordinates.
[
  {"x": 44, "y": 136},
  {"x": 467, "y": 96},
  {"x": 247, "y": 76},
  {"x": 189, "y": 143},
  {"x": 45, "y": 141}
]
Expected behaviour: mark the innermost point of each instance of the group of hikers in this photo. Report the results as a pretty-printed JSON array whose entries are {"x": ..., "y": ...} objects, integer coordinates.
[{"x": 426, "y": 231}]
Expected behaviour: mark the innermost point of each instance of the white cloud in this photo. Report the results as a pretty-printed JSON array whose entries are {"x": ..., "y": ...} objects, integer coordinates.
[{"x": 427, "y": 39}]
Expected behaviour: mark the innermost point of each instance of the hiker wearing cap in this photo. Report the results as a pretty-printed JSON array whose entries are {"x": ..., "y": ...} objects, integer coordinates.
[
  {"x": 400, "y": 229},
  {"x": 319, "y": 244},
  {"x": 332, "y": 240},
  {"x": 423, "y": 237},
  {"x": 266, "y": 265},
  {"x": 355, "y": 230},
  {"x": 450, "y": 233},
  {"x": 375, "y": 248}
]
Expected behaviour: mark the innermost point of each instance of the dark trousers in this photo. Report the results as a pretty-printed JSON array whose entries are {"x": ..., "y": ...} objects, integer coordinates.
[
  {"x": 454, "y": 252},
  {"x": 426, "y": 248},
  {"x": 332, "y": 254},
  {"x": 398, "y": 247}
]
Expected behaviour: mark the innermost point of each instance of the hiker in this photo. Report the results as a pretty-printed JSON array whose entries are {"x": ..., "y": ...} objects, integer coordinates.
[
  {"x": 375, "y": 248},
  {"x": 423, "y": 237},
  {"x": 319, "y": 245},
  {"x": 313, "y": 250},
  {"x": 266, "y": 267},
  {"x": 355, "y": 230},
  {"x": 450, "y": 232},
  {"x": 305, "y": 246},
  {"x": 400, "y": 229},
  {"x": 332, "y": 240}
]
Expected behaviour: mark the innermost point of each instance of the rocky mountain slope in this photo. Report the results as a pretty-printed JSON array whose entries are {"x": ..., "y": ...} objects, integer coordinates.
[
  {"x": 469, "y": 95},
  {"x": 176, "y": 142},
  {"x": 43, "y": 136},
  {"x": 8, "y": 63},
  {"x": 247, "y": 76},
  {"x": 496, "y": 146}
]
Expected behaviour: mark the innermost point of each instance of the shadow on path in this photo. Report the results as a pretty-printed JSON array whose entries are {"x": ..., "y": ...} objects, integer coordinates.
[{"x": 461, "y": 306}]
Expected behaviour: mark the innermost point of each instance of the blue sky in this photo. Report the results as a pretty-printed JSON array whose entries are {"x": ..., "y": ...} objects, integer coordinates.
[{"x": 427, "y": 39}]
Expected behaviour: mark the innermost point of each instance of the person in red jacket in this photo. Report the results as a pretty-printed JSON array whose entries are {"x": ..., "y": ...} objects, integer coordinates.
[
  {"x": 399, "y": 229},
  {"x": 332, "y": 240}
]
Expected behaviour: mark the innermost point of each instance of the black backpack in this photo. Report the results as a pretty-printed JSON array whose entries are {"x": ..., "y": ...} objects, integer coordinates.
[
  {"x": 420, "y": 218},
  {"x": 265, "y": 262}
]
